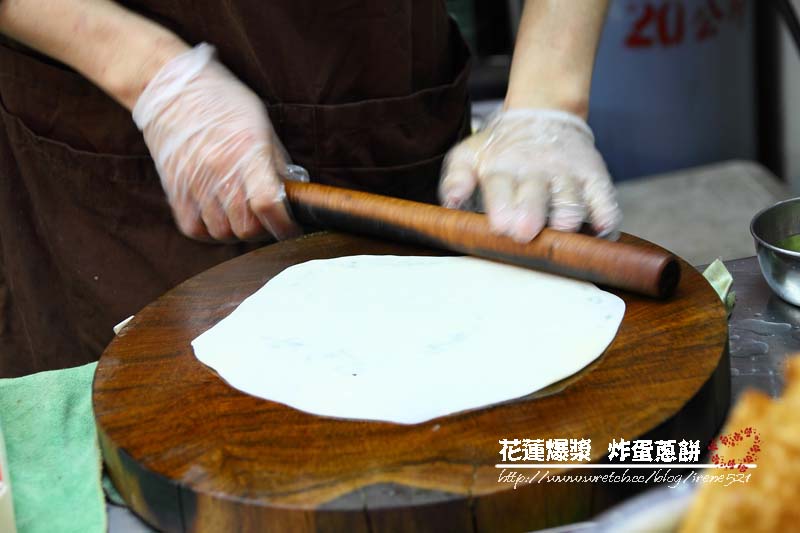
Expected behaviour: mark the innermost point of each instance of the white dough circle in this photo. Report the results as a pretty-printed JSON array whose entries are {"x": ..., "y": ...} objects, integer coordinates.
[{"x": 406, "y": 339}]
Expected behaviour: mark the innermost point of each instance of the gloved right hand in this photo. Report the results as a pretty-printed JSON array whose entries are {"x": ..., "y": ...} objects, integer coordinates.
[
  {"x": 218, "y": 157},
  {"x": 533, "y": 165}
]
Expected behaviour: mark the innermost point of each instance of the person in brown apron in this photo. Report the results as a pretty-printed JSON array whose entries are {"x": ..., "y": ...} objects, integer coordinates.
[{"x": 364, "y": 94}]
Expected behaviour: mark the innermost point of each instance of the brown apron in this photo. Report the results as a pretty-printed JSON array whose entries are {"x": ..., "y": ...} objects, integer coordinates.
[{"x": 367, "y": 94}]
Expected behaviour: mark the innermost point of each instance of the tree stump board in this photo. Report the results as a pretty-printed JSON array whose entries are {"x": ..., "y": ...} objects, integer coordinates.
[{"x": 190, "y": 453}]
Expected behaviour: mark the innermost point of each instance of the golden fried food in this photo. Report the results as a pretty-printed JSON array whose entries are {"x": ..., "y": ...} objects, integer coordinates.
[{"x": 768, "y": 500}]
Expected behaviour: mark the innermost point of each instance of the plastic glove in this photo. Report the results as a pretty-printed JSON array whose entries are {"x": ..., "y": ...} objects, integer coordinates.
[
  {"x": 216, "y": 152},
  {"x": 531, "y": 163}
]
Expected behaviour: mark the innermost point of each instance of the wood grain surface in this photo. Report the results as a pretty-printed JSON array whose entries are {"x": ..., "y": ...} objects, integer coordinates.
[
  {"x": 190, "y": 453},
  {"x": 649, "y": 271}
]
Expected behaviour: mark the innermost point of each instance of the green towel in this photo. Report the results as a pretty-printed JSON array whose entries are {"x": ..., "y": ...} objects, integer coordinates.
[{"x": 53, "y": 456}]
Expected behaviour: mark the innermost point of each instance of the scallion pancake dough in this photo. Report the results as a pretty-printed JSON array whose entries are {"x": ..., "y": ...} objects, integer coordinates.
[{"x": 407, "y": 339}]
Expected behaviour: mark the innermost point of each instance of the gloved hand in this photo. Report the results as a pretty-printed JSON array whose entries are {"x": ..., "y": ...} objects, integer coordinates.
[
  {"x": 531, "y": 163},
  {"x": 216, "y": 152}
]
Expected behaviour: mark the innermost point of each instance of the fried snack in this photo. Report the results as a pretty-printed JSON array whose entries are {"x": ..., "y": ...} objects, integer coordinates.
[{"x": 768, "y": 502}]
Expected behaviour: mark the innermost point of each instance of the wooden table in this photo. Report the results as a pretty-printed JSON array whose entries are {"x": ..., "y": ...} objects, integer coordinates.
[{"x": 190, "y": 453}]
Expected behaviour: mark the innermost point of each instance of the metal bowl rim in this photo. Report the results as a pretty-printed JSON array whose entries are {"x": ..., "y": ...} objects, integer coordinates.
[{"x": 764, "y": 243}]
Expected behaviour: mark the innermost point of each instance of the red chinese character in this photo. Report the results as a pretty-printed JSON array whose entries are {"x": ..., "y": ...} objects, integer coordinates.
[{"x": 704, "y": 23}]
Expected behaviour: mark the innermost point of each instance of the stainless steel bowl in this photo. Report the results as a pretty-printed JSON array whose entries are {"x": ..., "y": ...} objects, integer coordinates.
[{"x": 780, "y": 267}]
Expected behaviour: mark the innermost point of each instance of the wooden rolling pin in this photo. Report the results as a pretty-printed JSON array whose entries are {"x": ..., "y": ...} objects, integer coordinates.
[{"x": 625, "y": 266}]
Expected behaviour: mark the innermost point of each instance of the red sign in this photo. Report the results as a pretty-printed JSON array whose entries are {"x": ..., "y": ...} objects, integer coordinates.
[{"x": 671, "y": 22}]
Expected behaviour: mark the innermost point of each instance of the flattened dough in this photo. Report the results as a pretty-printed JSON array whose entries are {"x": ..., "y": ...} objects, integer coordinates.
[{"x": 406, "y": 339}]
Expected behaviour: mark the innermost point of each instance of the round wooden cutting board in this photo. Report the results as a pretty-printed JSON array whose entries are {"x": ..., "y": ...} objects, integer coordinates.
[{"x": 190, "y": 453}]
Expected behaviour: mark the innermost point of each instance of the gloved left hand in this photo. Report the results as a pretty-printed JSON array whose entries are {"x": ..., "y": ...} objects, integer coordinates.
[{"x": 533, "y": 165}]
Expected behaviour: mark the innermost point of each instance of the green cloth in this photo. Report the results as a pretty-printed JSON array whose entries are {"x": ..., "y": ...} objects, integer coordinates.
[
  {"x": 53, "y": 457},
  {"x": 719, "y": 278}
]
